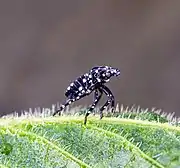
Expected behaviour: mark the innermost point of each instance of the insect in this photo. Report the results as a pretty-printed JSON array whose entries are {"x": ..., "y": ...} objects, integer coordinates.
[{"x": 84, "y": 85}]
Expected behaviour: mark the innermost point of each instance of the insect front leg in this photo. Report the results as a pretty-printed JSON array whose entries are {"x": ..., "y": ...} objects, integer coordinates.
[
  {"x": 68, "y": 102},
  {"x": 97, "y": 97},
  {"x": 111, "y": 100}
]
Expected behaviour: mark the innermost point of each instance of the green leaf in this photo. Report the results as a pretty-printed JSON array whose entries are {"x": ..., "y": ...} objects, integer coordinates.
[{"x": 127, "y": 140}]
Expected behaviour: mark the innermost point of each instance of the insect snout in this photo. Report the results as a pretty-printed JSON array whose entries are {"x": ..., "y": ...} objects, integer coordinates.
[{"x": 115, "y": 72}]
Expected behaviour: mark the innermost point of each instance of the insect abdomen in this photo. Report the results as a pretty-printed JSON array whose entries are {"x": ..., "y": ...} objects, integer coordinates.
[{"x": 78, "y": 87}]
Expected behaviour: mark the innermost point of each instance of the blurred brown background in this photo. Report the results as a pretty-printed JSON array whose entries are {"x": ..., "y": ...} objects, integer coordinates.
[{"x": 44, "y": 45}]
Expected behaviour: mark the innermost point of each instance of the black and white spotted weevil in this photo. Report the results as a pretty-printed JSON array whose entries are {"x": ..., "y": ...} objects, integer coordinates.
[{"x": 84, "y": 85}]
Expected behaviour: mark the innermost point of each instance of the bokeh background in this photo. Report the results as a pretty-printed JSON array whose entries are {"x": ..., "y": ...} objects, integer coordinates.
[{"x": 44, "y": 45}]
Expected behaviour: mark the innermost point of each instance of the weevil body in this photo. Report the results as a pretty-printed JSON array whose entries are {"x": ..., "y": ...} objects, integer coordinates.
[{"x": 84, "y": 85}]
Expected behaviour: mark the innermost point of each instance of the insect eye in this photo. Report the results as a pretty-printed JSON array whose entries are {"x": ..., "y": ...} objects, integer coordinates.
[{"x": 108, "y": 74}]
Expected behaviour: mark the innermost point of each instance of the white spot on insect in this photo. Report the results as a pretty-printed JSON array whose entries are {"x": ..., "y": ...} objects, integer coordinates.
[
  {"x": 77, "y": 97},
  {"x": 90, "y": 81},
  {"x": 96, "y": 71},
  {"x": 72, "y": 84},
  {"x": 83, "y": 91},
  {"x": 68, "y": 88},
  {"x": 88, "y": 91},
  {"x": 79, "y": 94},
  {"x": 99, "y": 80},
  {"x": 90, "y": 76},
  {"x": 70, "y": 102},
  {"x": 107, "y": 74},
  {"x": 80, "y": 88},
  {"x": 84, "y": 80},
  {"x": 107, "y": 80},
  {"x": 62, "y": 105},
  {"x": 103, "y": 75}
]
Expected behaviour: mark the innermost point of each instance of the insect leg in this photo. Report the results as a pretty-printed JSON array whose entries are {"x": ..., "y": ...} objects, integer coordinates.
[
  {"x": 68, "y": 102},
  {"x": 112, "y": 104},
  {"x": 111, "y": 100},
  {"x": 96, "y": 94},
  {"x": 97, "y": 97}
]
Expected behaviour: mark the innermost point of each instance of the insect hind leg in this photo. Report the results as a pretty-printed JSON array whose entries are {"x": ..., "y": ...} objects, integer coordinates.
[{"x": 62, "y": 107}]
